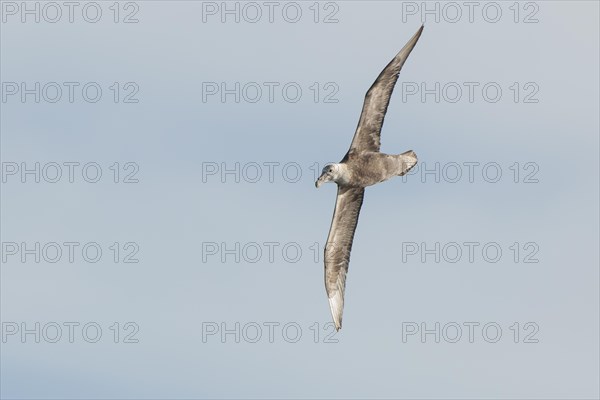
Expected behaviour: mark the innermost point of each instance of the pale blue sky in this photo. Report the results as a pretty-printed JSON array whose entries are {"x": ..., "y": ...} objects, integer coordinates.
[{"x": 171, "y": 134}]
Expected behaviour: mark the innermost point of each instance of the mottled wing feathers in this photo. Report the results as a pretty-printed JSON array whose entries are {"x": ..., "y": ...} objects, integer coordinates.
[
  {"x": 339, "y": 244},
  {"x": 377, "y": 99}
]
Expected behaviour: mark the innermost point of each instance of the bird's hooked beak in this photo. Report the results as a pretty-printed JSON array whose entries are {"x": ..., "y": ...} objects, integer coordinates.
[{"x": 322, "y": 179}]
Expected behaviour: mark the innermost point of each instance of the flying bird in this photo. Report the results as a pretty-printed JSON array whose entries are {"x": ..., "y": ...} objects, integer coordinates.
[{"x": 363, "y": 165}]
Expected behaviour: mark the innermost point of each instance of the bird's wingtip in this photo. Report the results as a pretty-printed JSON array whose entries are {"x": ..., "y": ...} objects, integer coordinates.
[
  {"x": 336, "y": 304},
  {"x": 338, "y": 325}
]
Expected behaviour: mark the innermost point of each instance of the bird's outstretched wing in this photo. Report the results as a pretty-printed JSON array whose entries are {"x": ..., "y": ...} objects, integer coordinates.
[
  {"x": 339, "y": 244},
  {"x": 368, "y": 132}
]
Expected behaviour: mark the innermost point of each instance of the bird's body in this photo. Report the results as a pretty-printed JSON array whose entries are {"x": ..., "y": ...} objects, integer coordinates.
[
  {"x": 364, "y": 165},
  {"x": 371, "y": 167}
]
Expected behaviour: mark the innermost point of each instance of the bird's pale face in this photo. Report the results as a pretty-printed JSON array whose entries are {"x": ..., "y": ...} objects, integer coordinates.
[{"x": 330, "y": 173}]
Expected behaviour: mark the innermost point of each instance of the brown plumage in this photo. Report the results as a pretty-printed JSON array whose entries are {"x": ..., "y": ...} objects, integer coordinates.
[{"x": 362, "y": 166}]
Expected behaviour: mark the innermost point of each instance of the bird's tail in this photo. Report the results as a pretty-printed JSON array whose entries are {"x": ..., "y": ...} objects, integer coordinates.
[{"x": 407, "y": 161}]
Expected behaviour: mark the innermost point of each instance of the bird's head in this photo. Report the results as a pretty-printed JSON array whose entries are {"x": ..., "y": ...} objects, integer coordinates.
[{"x": 331, "y": 173}]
